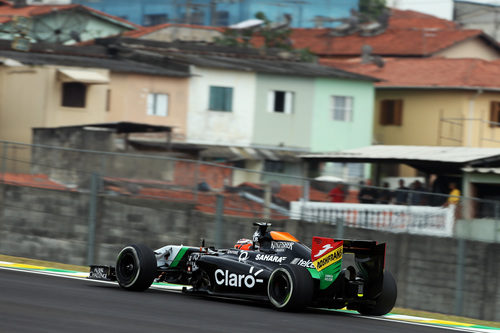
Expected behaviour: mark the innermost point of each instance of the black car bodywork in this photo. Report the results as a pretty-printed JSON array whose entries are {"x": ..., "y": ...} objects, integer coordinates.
[{"x": 278, "y": 269}]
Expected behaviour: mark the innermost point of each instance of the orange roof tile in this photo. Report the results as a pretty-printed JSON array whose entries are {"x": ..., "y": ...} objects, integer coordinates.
[
  {"x": 32, "y": 180},
  {"x": 409, "y": 33},
  {"x": 147, "y": 30},
  {"x": 7, "y": 12},
  {"x": 427, "y": 72},
  {"x": 416, "y": 20}
]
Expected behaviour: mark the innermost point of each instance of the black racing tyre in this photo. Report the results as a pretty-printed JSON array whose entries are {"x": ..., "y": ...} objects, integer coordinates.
[
  {"x": 385, "y": 301},
  {"x": 290, "y": 288},
  {"x": 136, "y": 267}
]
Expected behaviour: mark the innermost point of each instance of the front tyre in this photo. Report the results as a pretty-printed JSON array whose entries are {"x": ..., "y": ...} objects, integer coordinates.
[
  {"x": 290, "y": 288},
  {"x": 136, "y": 267},
  {"x": 385, "y": 301}
]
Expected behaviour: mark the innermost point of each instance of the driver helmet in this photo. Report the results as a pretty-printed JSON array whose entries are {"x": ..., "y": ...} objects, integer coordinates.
[{"x": 243, "y": 244}]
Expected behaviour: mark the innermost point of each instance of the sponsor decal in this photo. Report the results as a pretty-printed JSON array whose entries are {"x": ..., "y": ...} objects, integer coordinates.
[
  {"x": 226, "y": 278},
  {"x": 231, "y": 251},
  {"x": 243, "y": 256},
  {"x": 324, "y": 249},
  {"x": 328, "y": 277},
  {"x": 325, "y": 252},
  {"x": 98, "y": 273},
  {"x": 302, "y": 262},
  {"x": 271, "y": 258},
  {"x": 281, "y": 245},
  {"x": 329, "y": 258}
]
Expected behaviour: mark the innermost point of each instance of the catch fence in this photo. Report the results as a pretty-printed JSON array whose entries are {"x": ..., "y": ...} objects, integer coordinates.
[
  {"x": 245, "y": 193},
  {"x": 57, "y": 203}
]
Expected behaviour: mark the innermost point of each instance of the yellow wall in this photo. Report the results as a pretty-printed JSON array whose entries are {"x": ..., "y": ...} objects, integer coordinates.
[
  {"x": 22, "y": 99},
  {"x": 423, "y": 111},
  {"x": 129, "y": 94},
  {"x": 31, "y": 97},
  {"x": 470, "y": 48}
]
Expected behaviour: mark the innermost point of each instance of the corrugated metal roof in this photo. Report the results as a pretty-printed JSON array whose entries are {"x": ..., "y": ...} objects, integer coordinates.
[
  {"x": 482, "y": 170},
  {"x": 459, "y": 155},
  {"x": 249, "y": 153},
  {"x": 114, "y": 65}
]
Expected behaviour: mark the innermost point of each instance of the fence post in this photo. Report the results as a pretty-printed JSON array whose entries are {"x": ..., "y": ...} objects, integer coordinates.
[
  {"x": 497, "y": 223},
  {"x": 219, "y": 214},
  {"x": 459, "y": 277},
  {"x": 266, "y": 209},
  {"x": 94, "y": 181},
  {"x": 196, "y": 179},
  {"x": 2, "y": 180},
  {"x": 340, "y": 227}
]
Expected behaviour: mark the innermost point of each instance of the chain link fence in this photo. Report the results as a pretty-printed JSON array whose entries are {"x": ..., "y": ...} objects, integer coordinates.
[
  {"x": 248, "y": 193},
  {"x": 52, "y": 197}
]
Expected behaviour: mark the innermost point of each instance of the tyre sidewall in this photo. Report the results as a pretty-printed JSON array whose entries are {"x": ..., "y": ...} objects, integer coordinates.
[
  {"x": 301, "y": 288},
  {"x": 145, "y": 266}
]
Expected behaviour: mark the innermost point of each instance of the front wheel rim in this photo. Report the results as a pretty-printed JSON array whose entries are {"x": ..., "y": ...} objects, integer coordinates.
[{"x": 127, "y": 267}]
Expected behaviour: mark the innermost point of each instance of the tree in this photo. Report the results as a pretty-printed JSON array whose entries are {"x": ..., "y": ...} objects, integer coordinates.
[{"x": 371, "y": 10}]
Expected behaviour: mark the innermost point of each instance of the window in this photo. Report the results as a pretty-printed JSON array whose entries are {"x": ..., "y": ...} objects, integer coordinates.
[
  {"x": 222, "y": 18},
  {"x": 74, "y": 94},
  {"x": 274, "y": 166},
  {"x": 158, "y": 105},
  {"x": 494, "y": 114},
  {"x": 154, "y": 19},
  {"x": 342, "y": 108},
  {"x": 391, "y": 112},
  {"x": 221, "y": 99},
  {"x": 280, "y": 101}
]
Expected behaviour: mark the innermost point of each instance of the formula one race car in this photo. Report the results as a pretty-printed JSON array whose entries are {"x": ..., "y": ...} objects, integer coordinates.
[{"x": 273, "y": 266}]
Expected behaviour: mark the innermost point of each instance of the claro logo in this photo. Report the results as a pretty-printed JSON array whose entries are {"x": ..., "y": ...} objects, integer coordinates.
[{"x": 224, "y": 277}]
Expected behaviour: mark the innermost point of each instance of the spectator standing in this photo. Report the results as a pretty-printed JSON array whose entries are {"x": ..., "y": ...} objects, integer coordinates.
[
  {"x": 337, "y": 194},
  {"x": 454, "y": 196},
  {"x": 385, "y": 194},
  {"x": 417, "y": 194},
  {"x": 401, "y": 193},
  {"x": 366, "y": 194}
]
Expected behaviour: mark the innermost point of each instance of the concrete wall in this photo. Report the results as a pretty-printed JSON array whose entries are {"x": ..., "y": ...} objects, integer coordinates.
[{"x": 52, "y": 225}]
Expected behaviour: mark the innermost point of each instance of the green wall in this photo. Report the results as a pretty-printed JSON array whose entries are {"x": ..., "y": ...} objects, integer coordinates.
[
  {"x": 292, "y": 130},
  {"x": 328, "y": 135}
]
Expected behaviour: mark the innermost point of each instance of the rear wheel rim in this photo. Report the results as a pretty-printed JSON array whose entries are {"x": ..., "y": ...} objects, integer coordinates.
[{"x": 280, "y": 288}]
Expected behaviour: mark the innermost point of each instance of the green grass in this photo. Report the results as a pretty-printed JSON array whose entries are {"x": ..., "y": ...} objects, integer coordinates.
[{"x": 401, "y": 311}]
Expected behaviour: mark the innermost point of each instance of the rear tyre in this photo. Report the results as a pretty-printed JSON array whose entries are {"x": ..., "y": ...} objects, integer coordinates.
[
  {"x": 385, "y": 301},
  {"x": 290, "y": 288},
  {"x": 136, "y": 267}
]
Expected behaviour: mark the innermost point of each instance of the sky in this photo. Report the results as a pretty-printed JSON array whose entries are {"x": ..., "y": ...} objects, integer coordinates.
[{"x": 439, "y": 8}]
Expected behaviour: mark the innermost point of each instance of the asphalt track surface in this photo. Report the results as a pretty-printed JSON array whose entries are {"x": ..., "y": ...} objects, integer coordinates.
[{"x": 39, "y": 303}]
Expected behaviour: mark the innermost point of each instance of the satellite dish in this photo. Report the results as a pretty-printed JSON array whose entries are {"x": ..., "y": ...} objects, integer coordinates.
[
  {"x": 59, "y": 27},
  {"x": 247, "y": 24},
  {"x": 331, "y": 179}
]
